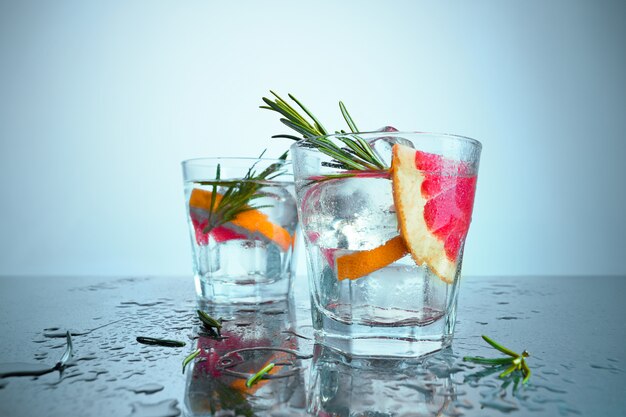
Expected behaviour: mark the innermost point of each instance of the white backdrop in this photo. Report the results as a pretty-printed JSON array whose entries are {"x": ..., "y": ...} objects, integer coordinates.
[{"x": 100, "y": 101}]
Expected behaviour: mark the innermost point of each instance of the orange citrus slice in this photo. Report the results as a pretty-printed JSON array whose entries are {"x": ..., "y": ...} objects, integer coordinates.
[
  {"x": 434, "y": 207},
  {"x": 251, "y": 221},
  {"x": 358, "y": 264}
]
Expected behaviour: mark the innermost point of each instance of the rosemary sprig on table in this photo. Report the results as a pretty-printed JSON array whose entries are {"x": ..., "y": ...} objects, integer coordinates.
[
  {"x": 357, "y": 154},
  {"x": 516, "y": 361},
  {"x": 236, "y": 199},
  {"x": 159, "y": 342},
  {"x": 209, "y": 321},
  {"x": 212, "y": 325}
]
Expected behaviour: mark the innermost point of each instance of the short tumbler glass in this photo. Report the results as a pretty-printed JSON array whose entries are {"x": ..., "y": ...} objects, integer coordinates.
[
  {"x": 242, "y": 231},
  {"x": 385, "y": 245}
]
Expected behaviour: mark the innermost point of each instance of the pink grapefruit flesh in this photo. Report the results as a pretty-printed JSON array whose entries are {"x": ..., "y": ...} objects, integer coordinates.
[{"x": 434, "y": 207}]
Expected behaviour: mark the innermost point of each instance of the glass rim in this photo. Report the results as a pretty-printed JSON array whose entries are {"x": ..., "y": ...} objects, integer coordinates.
[
  {"x": 458, "y": 138},
  {"x": 201, "y": 160}
]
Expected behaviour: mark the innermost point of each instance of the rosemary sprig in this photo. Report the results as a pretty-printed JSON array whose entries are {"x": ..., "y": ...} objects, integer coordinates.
[
  {"x": 190, "y": 358},
  {"x": 238, "y": 194},
  {"x": 357, "y": 153},
  {"x": 159, "y": 342},
  {"x": 209, "y": 321},
  {"x": 257, "y": 377},
  {"x": 515, "y": 360}
]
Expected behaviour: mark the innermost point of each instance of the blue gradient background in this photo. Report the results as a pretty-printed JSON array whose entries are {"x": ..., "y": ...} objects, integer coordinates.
[{"x": 100, "y": 101}]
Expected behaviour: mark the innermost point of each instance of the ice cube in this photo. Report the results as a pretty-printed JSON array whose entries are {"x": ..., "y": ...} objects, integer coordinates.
[
  {"x": 350, "y": 213},
  {"x": 387, "y": 129},
  {"x": 208, "y": 258},
  {"x": 382, "y": 145}
]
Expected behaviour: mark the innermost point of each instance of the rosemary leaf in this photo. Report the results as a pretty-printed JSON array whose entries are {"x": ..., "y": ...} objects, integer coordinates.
[
  {"x": 355, "y": 147},
  {"x": 298, "y": 128},
  {"x": 287, "y": 137},
  {"x": 208, "y": 321},
  {"x": 347, "y": 118},
  {"x": 500, "y": 347},
  {"x": 256, "y": 377},
  {"x": 526, "y": 372},
  {"x": 508, "y": 371},
  {"x": 487, "y": 361},
  {"x": 160, "y": 342},
  {"x": 318, "y": 124},
  {"x": 367, "y": 148}
]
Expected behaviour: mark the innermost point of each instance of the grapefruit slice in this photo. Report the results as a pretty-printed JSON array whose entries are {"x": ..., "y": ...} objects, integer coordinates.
[
  {"x": 220, "y": 233},
  {"x": 358, "y": 264},
  {"x": 245, "y": 224},
  {"x": 434, "y": 197}
]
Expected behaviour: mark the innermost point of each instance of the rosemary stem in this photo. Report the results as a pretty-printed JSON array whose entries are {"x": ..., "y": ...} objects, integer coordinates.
[
  {"x": 190, "y": 358},
  {"x": 256, "y": 377}
]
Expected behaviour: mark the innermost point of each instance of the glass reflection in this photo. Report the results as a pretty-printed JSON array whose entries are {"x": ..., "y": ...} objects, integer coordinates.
[
  {"x": 342, "y": 386},
  {"x": 251, "y": 337}
]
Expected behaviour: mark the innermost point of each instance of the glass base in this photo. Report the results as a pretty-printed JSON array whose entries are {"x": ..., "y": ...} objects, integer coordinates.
[
  {"x": 382, "y": 347},
  {"x": 357, "y": 340},
  {"x": 242, "y": 290}
]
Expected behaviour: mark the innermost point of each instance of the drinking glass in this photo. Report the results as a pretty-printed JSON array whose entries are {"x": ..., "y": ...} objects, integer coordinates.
[
  {"x": 242, "y": 231},
  {"x": 384, "y": 246}
]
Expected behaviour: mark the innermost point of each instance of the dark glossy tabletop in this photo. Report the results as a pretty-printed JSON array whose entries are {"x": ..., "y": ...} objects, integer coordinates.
[{"x": 572, "y": 326}]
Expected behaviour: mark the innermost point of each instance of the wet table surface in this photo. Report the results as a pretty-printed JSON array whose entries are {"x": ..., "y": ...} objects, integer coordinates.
[{"x": 572, "y": 326}]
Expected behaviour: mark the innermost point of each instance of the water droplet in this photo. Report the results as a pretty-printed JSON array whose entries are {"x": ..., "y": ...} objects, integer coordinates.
[
  {"x": 147, "y": 389},
  {"x": 500, "y": 405},
  {"x": 551, "y": 372},
  {"x": 565, "y": 410},
  {"x": 166, "y": 408},
  {"x": 63, "y": 333},
  {"x": 609, "y": 367},
  {"x": 24, "y": 369}
]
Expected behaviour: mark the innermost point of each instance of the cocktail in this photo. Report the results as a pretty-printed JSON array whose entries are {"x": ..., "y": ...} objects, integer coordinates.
[
  {"x": 384, "y": 217},
  {"x": 242, "y": 223}
]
